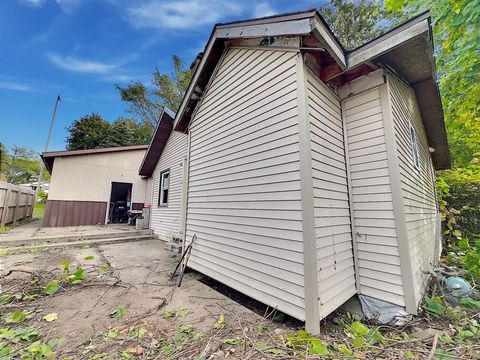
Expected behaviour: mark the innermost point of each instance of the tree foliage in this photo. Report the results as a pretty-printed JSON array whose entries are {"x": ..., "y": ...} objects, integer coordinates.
[
  {"x": 168, "y": 90},
  {"x": 457, "y": 51},
  {"x": 92, "y": 131},
  {"x": 19, "y": 164},
  {"x": 457, "y": 41},
  {"x": 357, "y": 22}
]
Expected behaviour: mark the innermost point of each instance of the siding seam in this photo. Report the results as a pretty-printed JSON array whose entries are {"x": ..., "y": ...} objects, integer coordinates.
[
  {"x": 350, "y": 200},
  {"x": 397, "y": 200},
  {"x": 312, "y": 309}
]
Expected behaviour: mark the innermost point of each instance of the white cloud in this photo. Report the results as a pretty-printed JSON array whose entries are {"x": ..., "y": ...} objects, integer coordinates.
[
  {"x": 81, "y": 65},
  {"x": 263, "y": 9},
  {"x": 34, "y": 2},
  {"x": 71, "y": 99},
  {"x": 118, "y": 78},
  {"x": 65, "y": 5},
  {"x": 68, "y": 5},
  {"x": 14, "y": 86},
  {"x": 181, "y": 14}
]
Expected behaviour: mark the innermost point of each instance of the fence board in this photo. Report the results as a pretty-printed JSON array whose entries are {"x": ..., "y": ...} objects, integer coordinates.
[{"x": 12, "y": 208}]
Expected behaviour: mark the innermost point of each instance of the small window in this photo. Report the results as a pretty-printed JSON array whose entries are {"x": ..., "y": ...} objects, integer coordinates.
[
  {"x": 164, "y": 185},
  {"x": 414, "y": 143}
]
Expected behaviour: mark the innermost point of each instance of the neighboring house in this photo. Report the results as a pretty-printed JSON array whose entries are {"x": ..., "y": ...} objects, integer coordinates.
[
  {"x": 89, "y": 187},
  {"x": 43, "y": 186},
  {"x": 307, "y": 173}
]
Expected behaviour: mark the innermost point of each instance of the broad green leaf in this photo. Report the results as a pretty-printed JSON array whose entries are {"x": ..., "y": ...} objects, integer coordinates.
[
  {"x": 185, "y": 328},
  {"x": 234, "y": 341},
  {"x": 344, "y": 349},
  {"x": 51, "y": 288},
  {"x": 16, "y": 317},
  {"x": 357, "y": 328},
  {"x": 318, "y": 347},
  {"x": 220, "y": 324},
  {"x": 88, "y": 258},
  {"x": 182, "y": 313},
  {"x": 5, "y": 298},
  {"x": 104, "y": 266},
  {"x": 409, "y": 355},
  {"x": 168, "y": 314},
  {"x": 54, "y": 342},
  {"x": 5, "y": 351},
  {"x": 469, "y": 303},
  {"x": 111, "y": 335},
  {"x": 119, "y": 312},
  {"x": 358, "y": 342},
  {"x": 7, "y": 333},
  {"x": 434, "y": 308}
]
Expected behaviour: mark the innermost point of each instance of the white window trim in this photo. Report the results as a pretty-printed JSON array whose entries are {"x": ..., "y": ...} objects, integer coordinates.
[
  {"x": 162, "y": 188},
  {"x": 414, "y": 146}
]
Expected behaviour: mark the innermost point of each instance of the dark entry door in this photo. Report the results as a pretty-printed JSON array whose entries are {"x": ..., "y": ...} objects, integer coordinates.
[{"x": 120, "y": 202}]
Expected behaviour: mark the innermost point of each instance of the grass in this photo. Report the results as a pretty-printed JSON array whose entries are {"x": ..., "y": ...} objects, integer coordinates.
[{"x": 38, "y": 211}]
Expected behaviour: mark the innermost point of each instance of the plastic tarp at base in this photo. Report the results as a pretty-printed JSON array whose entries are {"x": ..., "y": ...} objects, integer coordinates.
[{"x": 383, "y": 312}]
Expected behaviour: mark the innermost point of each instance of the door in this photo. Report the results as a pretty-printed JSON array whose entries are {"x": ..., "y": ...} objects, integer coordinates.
[{"x": 120, "y": 202}]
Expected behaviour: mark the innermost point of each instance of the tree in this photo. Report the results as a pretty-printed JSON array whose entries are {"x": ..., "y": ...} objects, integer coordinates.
[
  {"x": 457, "y": 41},
  {"x": 20, "y": 165},
  {"x": 3, "y": 161},
  {"x": 92, "y": 131},
  {"x": 168, "y": 90},
  {"x": 356, "y": 22},
  {"x": 124, "y": 132}
]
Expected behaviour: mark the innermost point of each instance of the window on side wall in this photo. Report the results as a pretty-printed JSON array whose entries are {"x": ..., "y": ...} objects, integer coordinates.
[
  {"x": 414, "y": 144},
  {"x": 164, "y": 185}
]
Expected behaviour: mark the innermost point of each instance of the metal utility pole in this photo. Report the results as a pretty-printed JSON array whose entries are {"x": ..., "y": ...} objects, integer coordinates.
[{"x": 42, "y": 168}]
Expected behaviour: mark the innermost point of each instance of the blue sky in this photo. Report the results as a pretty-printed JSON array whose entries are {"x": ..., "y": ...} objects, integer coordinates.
[{"x": 81, "y": 48}]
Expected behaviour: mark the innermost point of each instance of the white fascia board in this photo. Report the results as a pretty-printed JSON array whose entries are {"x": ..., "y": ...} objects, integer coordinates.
[
  {"x": 294, "y": 27},
  {"x": 332, "y": 45},
  {"x": 383, "y": 45},
  {"x": 169, "y": 112}
]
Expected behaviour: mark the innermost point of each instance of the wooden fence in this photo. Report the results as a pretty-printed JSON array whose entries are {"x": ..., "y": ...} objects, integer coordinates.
[{"x": 16, "y": 203}]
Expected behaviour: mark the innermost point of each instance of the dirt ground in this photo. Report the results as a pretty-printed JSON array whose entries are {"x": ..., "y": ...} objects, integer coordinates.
[
  {"x": 136, "y": 279},
  {"x": 117, "y": 302}
]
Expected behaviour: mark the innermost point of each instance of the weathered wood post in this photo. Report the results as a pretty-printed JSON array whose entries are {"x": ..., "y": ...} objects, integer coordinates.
[{"x": 4, "y": 218}]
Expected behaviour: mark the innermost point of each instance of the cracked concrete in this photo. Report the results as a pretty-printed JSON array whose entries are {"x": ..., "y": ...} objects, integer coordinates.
[{"x": 138, "y": 280}]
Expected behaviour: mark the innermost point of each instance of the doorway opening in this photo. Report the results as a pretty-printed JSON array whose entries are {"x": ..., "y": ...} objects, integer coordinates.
[{"x": 120, "y": 202}]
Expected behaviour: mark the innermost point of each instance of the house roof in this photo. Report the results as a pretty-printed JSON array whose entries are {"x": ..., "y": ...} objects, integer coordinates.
[
  {"x": 406, "y": 49},
  {"x": 162, "y": 132},
  {"x": 49, "y": 156}
]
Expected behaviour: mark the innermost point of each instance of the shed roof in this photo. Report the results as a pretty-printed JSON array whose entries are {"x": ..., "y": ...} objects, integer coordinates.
[
  {"x": 49, "y": 156},
  {"x": 162, "y": 132},
  {"x": 406, "y": 49}
]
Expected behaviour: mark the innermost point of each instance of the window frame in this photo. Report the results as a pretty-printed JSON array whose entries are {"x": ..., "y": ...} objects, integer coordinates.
[
  {"x": 414, "y": 146},
  {"x": 161, "y": 188}
]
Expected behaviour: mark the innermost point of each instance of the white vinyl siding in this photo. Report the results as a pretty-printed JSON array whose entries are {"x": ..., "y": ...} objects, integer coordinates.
[
  {"x": 418, "y": 188},
  {"x": 149, "y": 192},
  {"x": 244, "y": 199},
  {"x": 377, "y": 245},
  {"x": 333, "y": 233},
  {"x": 165, "y": 219}
]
